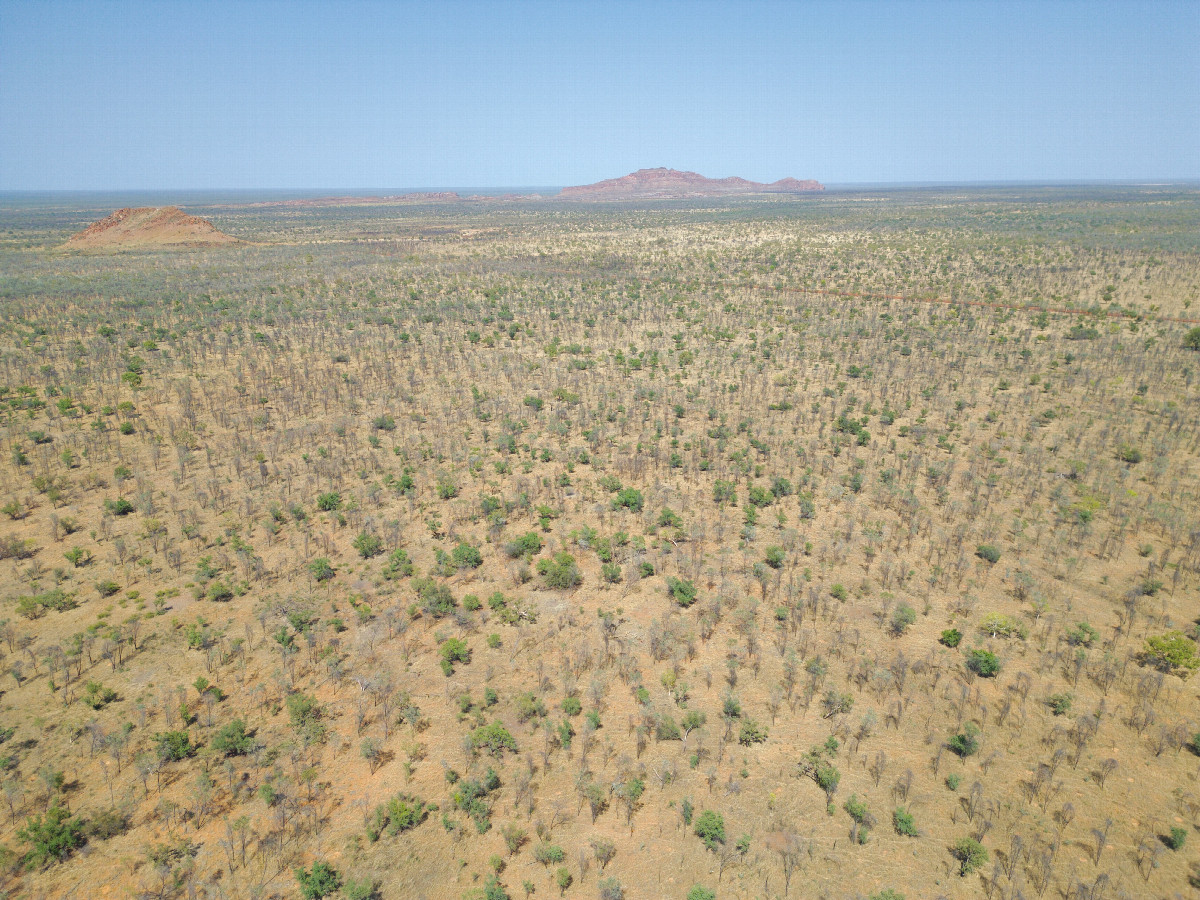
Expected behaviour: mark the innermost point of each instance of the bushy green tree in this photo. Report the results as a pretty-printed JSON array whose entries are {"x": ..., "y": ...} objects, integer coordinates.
[
  {"x": 322, "y": 880},
  {"x": 52, "y": 837},
  {"x": 710, "y": 828},
  {"x": 494, "y": 738},
  {"x": 970, "y": 855},
  {"x": 232, "y": 739},
  {"x": 173, "y": 745},
  {"x": 368, "y": 545},
  {"x": 966, "y": 742},
  {"x": 1172, "y": 652},
  {"x": 629, "y": 498},
  {"x": 903, "y": 822},
  {"x": 983, "y": 663},
  {"x": 453, "y": 650},
  {"x": 560, "y": 571},
  {"x": 682, "y": 590},
  {"x": 467, "y": 557},
  {"x": 436, "y": 599},
  {"x": 321, "y": 569}
]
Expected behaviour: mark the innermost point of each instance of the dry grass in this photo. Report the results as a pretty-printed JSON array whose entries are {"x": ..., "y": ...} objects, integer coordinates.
[{"x": 671, "y": 348}]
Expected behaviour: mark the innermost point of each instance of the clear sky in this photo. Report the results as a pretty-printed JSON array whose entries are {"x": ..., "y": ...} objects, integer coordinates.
[{"x": 338, "y": 95}]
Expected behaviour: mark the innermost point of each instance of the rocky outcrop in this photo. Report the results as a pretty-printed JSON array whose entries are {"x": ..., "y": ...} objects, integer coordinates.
[{"x": 148, "y": 226}]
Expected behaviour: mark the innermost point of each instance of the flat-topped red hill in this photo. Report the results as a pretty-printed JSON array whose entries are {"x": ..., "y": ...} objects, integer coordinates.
[
  {"x": 671, "y": 183},
  {"x": 148, "y": 226}
]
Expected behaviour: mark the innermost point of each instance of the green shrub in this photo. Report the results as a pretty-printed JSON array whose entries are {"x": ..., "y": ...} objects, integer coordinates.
[
  {"x": 107, "y": 823},
  {"x": 118, "y": 507},
  {"x": 1176, "y": 838},
  {"x": 401, "y": 813},
  {"x": 759, "y": 496},
  {"x": 1172, "y": 652},
  {"x": 710, "y": 828},
  {"x": 902, "y": 821},
  {"x": 559, "y": 572},
  {"x": 322, "y": 880},
  {"x": 1082, "y": 635},
  {"x": 966, "y": 742},
  {"x": 453, "y": 650},
  {"x": 368, "y": 545},
  {"x": 329, "y": 502},
  {"x": 97, "y": 696},
  {"x": 751, "y": 733},
  {"x": 446, "y": 488},
  {"x": 51, "y": 838},
  {"x": 629, "y": 498},
  {"x": 999, "y": 624},
  {"x": 983, "y": 663},
  {"x": 1060, "y": 704},
  {"x": 1127, "y": 453},
  {"x": 305, "y": 715},
  {"x": 397, "y": 566},
  {"x": 548, "y": 854},
  {"x": 467, "y": 557},
  {"x": 493, "y": 738},
  {"x": 988, "y": 552},
  {"x": 473, "y": 798},
  {"x": 528, "y": 706},
  {"x": 951, "y": 637},
  {"x": 321, "y": 569},
  {"x": 219, "y": 592},
  {"x": 232, "y": 739},
  {"x": 682, "y": 590},
  {"x": 436, "y": 599},
  {"x": 668, "y": 518},
  {"x": 903, "y": 617},
  {"x": 699, "y": 892},
  {"x": 106, "y": 588},
  {"x": 173, "y": 745},
  {"x": 857, "y": 809},
  {"x": 970, "y": 855},
  {"x": 527, "y": 544},
  {"x": 1148, "y": 587}
]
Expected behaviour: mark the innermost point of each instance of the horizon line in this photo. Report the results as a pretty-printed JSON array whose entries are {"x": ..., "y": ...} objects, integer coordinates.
[{"x": 334, "y": 191}]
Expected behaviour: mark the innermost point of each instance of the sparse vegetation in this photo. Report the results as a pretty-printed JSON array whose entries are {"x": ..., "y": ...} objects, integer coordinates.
[{"x": 317, "y": 547}]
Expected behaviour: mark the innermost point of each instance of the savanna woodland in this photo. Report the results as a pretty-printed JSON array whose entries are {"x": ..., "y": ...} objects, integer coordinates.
[{"x": 842, "y": 546}]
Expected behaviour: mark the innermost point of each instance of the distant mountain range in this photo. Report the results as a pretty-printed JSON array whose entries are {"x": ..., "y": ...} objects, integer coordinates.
[{"x": 671, "y": 183}]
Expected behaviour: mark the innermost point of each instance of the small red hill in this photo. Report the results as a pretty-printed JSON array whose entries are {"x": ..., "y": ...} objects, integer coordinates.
[
  {"x": 148, "y": 227},
  {"x": 670, "y": 183}
]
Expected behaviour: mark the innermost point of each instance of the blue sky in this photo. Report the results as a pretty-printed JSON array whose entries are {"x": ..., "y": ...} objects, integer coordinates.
[{"x": 342, "y": 95}]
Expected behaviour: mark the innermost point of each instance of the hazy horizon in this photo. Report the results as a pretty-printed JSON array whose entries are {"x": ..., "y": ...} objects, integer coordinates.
[
  {"x": 305, "y": 96},
  {"x": 546, "y": 190}
]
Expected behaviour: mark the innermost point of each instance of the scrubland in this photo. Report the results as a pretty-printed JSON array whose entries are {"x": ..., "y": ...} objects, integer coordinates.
[{"x": 834, "y": 547}]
